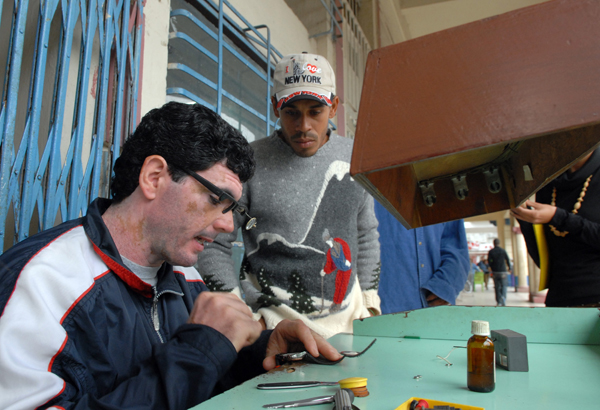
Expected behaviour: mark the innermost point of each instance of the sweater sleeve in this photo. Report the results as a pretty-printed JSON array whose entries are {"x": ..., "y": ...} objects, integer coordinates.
[
  {"x": 507, "y": 260},
  {"x": 449, "y": 278},
  {"x": 215, "y": 262},
  {"x": 577, "y": 226},
  {"x": 368, "y": 261}
]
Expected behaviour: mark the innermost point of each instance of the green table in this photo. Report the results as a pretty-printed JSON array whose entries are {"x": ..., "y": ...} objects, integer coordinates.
[{"x": 563, "y": 349}]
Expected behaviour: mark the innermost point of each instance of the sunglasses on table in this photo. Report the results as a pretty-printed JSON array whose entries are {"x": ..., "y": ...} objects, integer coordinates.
[{"x": 223, "y": 196}]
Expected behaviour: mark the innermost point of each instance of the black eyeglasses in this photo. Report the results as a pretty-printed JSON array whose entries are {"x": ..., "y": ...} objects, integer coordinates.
[{"x": 223, "y": 196}]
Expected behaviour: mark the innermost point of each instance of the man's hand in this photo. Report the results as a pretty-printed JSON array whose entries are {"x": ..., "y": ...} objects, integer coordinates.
[
  {"x": 227, "y": 314},
  {"x": 539, "y": 214},
  {"x": 373, "y": 311},
  {"x": 288, "y": 333},
  {"x": 435, "y": 300},
  {"x": 263, "y": 323}
]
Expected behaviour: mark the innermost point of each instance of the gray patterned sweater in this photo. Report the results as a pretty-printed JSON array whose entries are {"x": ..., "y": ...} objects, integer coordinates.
[{"x": 314, "y": 254}]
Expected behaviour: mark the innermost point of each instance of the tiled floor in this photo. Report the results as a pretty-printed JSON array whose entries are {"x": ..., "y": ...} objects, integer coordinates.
[{"x": 483, "y": 297}]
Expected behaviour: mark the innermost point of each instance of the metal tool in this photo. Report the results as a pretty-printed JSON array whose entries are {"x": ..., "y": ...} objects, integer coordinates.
[
  {"x": 300, "y": 403},
  {"x": 352, "y": 353},
  {"x": 294, "y": 385},
  {"x": 346, "y": 397},
  {"x": 343, "y": 400},
  {"x": 348, "y": 383},
  {"x": 282, "y": 358}
]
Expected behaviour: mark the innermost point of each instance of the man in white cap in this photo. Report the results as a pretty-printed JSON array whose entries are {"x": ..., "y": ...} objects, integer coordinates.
[{"x": 301, "y": 189}]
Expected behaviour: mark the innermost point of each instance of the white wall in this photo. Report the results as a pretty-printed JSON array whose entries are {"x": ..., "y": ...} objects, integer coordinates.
[
  {"x": 393, "y": 25},
  {"x": 288, "y": 34},
  {"x": 440, "y": 16},
  {"x": 154, "y": 64}
]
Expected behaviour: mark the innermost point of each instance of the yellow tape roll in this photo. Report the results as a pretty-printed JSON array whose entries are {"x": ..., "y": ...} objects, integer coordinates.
[{"x": 353, "y": 382}]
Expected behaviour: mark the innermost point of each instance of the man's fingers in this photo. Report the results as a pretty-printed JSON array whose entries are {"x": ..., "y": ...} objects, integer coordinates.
[
  {"x": 288, "y": 333},
  {"x": 207, "y": 303},
  {"x": 227, "y": 314},
  {"x": 438, "y": 302},
  {"x": 269, "y": 363}
]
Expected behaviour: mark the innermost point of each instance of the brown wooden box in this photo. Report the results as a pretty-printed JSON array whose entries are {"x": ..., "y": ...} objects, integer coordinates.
[{"x": 519, "y": 92}]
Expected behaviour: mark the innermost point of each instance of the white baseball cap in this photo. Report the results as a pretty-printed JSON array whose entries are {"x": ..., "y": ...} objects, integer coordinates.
[{"x": 303, "y": 77}]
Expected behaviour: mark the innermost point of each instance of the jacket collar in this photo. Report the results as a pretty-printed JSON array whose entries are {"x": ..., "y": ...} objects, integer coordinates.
[{"x": 105, "y": 247}]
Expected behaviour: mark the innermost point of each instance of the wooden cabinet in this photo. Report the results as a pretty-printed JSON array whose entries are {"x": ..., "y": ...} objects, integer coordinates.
[{"x": 477, "y": 118}]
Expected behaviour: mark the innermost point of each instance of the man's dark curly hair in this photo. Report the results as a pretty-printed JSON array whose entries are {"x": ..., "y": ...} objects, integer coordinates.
[{"x": 191, "y": 137}]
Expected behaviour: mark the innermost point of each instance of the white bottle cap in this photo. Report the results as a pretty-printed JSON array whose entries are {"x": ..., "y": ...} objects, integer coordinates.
[{"x": 480, "y": 328}]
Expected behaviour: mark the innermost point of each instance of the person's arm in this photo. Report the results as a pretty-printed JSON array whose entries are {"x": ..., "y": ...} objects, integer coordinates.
[
  {"x": 215, "y": 262},
  {"x": 288, "y": 336},
  {"x": 256, "y": 349},
  {"x": 180, "y": 374},
  {"x": 583, "y": 229},
  {"x": 368, "y": 261},
  {"x": 507, "y": 261},
  {"x": 60, "y": 369},
  {"x": 220, "y": 347},
  {"x": 449, "y": 278},
  {"x": 161, "y": 382},
  {"x": 329, "y": 264}
]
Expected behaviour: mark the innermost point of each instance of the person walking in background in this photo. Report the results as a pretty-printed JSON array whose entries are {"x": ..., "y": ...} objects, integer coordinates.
[
  {"x": 500, "y": 267},
  {"x": 485, "y": 268}
]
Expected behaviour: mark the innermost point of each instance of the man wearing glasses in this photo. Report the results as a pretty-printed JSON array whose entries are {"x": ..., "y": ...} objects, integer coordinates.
[
  {"x": 302, "y": 189},
  {"x": 106, "y": 312}
]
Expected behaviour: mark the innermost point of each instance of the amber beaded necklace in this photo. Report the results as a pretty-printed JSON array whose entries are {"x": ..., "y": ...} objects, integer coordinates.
[{"x": 576, "y": 207}]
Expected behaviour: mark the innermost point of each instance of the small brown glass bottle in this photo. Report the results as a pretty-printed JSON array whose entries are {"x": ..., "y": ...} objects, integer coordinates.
[{"x": 481, "y": 365}]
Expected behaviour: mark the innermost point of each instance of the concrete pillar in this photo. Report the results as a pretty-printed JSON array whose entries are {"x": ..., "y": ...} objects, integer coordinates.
[
  {"x": 520, "y": 258},
  {"x": 500, "y": 227},
  {"x": 534, "y": 282}
]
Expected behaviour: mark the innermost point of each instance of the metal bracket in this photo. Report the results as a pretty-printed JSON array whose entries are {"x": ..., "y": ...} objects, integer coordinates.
[
  {"x": 428, "y": 192},
  {"x": 460, "y": 186},
  {"x": 492, "y": 178}
]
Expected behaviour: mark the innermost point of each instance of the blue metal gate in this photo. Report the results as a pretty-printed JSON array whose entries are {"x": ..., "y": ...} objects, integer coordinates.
[{"x": 69, "y": 97}]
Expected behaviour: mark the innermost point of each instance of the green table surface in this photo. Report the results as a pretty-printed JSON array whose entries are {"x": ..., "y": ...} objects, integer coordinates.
[{"x": 563, "y": 351}]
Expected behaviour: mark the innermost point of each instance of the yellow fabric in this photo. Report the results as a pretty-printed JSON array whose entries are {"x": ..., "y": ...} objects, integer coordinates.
[{"x": 540, "y": 238}]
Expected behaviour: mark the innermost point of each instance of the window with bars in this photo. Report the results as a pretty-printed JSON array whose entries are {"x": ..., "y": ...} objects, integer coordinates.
[
  {"x": 69, "y": 98},
  {"x": 222, "y": 65}
]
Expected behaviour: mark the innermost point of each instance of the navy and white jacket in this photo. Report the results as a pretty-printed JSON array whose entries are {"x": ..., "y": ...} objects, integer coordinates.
[{"x": 79, "y": 330}]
